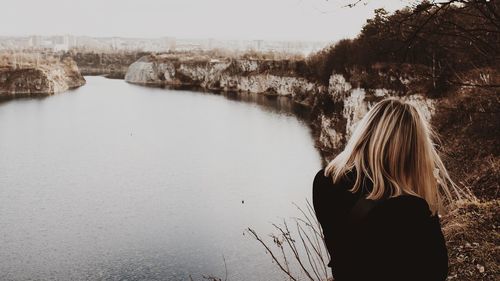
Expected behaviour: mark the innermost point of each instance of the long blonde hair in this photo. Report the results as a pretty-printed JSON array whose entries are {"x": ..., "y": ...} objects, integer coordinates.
[{"x": 392, "y": 146}]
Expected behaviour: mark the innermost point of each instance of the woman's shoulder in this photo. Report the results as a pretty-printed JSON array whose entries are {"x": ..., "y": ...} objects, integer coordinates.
[
  {"x": 320, "y": 179},
  {"x": 324, "y": 182},
  {"x": 404, "y": 207},
  {"x": 330, "y": 198}
]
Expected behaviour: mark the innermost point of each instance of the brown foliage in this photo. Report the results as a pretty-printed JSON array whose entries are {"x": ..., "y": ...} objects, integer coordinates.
[{"x": 448, "y": 37}]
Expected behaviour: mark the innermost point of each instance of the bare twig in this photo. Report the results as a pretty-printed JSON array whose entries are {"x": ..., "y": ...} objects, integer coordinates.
[
  {"x": 305, "y": 247},
  {"x": 256, "y": 236}
]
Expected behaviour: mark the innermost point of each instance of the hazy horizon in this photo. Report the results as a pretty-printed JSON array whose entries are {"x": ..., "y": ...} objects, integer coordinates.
[
  {"x": 280, "y": 20},
  {"x": 159, "y": 37}
]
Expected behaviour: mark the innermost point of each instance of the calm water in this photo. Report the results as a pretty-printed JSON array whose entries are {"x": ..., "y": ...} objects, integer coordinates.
[{"x": 114, "y": 181}]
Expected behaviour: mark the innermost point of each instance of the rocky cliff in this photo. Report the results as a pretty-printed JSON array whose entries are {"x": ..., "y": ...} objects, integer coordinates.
[
  {"x": 270, "y": 77},
  {"x": 38, "y": 78},
  {"x": 338, "y": 110}
]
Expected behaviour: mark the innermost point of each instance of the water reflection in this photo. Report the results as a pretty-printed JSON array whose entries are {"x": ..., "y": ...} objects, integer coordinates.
[
  {"x": 271, "y": 103},
  {"x": 276, "y": 104}
]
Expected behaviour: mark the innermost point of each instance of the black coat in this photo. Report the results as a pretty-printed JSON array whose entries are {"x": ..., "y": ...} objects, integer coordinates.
[{"x": 398, "y": 239}]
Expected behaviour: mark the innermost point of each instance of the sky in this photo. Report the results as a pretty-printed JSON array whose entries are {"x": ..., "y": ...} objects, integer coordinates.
[{"x": 305, "y": 20}]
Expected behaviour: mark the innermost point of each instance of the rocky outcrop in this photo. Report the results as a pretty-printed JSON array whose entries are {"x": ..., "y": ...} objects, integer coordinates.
[
  {"x": 338, "y": 109},
  {"x": 244, "y": 75},
  {"x": 39, "y": 79},
  {"x": 334, "y": 125}
]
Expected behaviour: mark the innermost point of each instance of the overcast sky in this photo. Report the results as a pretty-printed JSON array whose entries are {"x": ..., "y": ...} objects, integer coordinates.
[{"x": 320, "y": 20}]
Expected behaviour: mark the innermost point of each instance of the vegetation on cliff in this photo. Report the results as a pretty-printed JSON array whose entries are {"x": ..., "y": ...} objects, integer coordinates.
[
  {"x": 445, "y": 39},
  {"x": 468, "y": 122},
  {"x": 109, "y": 64},
  {"x": 36, "y": 74}
]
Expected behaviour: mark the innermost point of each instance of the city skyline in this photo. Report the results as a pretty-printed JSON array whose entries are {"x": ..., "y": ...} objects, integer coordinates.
[{"x": 66, "y": 42}]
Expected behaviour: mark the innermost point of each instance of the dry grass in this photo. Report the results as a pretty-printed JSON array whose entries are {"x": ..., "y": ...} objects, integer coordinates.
[
  {"x": 473, "y": 241},
  {"x": 20, "y": 60},
  {"x": 468, "y": 121}
]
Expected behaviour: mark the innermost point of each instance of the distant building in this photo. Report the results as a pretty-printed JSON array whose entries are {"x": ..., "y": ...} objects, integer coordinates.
[
  {"x": 35, "y": 41},
  {"x": 258, "y": 44}
]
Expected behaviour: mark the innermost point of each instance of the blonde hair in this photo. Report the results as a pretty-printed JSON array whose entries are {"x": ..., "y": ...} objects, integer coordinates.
[{"x": 392, "y": 146}]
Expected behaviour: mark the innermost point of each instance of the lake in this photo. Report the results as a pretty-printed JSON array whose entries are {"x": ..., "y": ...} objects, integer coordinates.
[{"x": 114, "y": 181}]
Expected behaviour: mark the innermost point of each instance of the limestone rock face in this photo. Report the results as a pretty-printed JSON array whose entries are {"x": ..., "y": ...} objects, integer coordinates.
[
  {"x": 346, "y": 106},
  {"x": 39, "y": 79},
  {"x": 142, "y": 73},
  {"x": 227, "y": 75}
]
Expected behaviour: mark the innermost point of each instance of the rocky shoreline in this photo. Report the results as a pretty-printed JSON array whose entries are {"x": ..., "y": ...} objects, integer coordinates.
[{"x": 38, "y": 78}]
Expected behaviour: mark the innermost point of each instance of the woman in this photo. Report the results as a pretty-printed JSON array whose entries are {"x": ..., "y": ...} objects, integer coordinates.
[{"x": 378, "y": 200}]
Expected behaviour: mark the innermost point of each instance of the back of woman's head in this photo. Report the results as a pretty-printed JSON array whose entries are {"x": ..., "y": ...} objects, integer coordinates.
[{"x": 392, "y": 146}]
